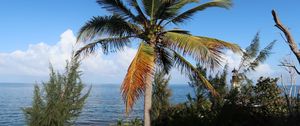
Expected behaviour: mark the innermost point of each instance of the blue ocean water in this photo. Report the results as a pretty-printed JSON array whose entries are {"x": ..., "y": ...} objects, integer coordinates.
[{"x": 104, "y": 105}]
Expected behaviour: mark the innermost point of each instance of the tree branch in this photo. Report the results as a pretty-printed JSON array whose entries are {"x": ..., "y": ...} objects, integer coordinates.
[
  {"x": 292, "y": 44},
  {"x": 284, "y": 64}
]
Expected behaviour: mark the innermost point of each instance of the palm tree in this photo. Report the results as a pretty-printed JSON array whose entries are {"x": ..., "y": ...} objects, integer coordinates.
[{"x": 147, "y": 21}]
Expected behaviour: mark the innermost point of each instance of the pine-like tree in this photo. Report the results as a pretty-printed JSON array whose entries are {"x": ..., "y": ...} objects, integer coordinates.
[
  {"x": 160, "y": 95},
  {"x": 61, "y": 99},
  {"x": 252, "y": 57}
]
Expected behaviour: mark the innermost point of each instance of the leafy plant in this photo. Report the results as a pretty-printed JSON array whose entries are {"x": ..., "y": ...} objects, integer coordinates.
[
  {"x": 252, "y": 57},
  {"x": 161, "y": 94},
  {"x": 268, "y": 97},
  {"x": 133, "y": 122},
  {"x": 60, "y": 100},
  {"x": 201, "y": 108}
]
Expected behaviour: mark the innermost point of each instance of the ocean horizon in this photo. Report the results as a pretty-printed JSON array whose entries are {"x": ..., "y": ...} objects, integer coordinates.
[{"x": 104, "y": 106}]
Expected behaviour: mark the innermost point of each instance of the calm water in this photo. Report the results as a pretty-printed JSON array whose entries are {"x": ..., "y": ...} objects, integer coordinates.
[{"x": 104, "y": 105}]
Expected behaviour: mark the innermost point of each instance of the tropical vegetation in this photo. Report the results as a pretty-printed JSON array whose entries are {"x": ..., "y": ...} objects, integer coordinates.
[
  {"x": 148, "y": 23},
  {"x": 60, "y": 100},
  {"x": 160, "y": 95},
  {"x": 152, "y": 26},
  {"x": 252, "y": 57},
  {"x": 259, "y": 104}
]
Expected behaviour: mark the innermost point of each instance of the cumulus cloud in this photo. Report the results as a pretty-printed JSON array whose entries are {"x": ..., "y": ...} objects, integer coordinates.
[
  {"x": 32, "y": 64},
  {"x": 233, "y": 60}
]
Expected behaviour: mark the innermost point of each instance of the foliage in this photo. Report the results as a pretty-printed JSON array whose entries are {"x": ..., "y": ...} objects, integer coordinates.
[
  {"x": 259, "y": 104},
  {"x": 201, "y": 107},
  {"x": 262, "y": 104},
  {"x": 161, "y": 94},
  {"x": 268, "y": 96},
  {"x": 241, "y": 97},
  {"x": 134, "y": 122},
  {"x": 252, "y": 57},
  {"x": 265, "y": 95},
  {"x": 220, "y": 84},
  {"x": 60, "y": 100},
  {"x": 147, "y": 22}
]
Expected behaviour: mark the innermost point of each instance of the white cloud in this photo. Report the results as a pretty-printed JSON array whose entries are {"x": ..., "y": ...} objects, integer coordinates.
[
  {"x": 234, "y": 60},
  {"x": 32, "y": 64}
]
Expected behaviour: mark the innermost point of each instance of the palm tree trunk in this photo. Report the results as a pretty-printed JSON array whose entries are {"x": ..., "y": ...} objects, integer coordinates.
[{"x": 147, "y": 104}]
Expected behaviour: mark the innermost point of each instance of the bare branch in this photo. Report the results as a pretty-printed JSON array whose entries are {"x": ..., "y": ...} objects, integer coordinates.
[
  {"x": 289, "y": 65},
  {"x": 292, "y": 44}
]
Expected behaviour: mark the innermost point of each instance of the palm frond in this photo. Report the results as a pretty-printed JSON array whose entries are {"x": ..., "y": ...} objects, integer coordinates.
[
  {"x": 164, "y": 59},
  {"x": 207, "y": 51},
  {"x": 163, "y": 12},
  {"x": 150, "y": 7},
  {"x": 188, "y": 68},
  {"x": 108, "y": 25},
  {"x": 117, "y": 7},
  {"x": 138, "y": 75},
  {"x": 169, "y": 9},
  {"x": 189, "y": 13},
  {"x": 219, "y": 44},
  {"x": 107, "y": 44},
  {"x": 141, "y": 15},
  {"x": 262, "y": 56},
  {"x": 180, "y": 31},
  {"x": 181, "y": 3},
  {"x": 190, "y": 45}
]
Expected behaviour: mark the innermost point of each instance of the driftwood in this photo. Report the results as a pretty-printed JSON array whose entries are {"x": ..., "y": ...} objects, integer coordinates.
[{"x": 289, "y": 39}]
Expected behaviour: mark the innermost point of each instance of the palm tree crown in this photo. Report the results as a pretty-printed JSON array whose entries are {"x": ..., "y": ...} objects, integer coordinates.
[{"x": 147, "y": 21}]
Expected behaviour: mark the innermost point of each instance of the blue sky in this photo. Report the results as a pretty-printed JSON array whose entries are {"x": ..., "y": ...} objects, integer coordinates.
[{"x": 31, "y": 22}]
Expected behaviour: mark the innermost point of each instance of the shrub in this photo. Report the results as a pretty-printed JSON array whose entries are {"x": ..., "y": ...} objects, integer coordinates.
[{"x": 61, "y": 99}]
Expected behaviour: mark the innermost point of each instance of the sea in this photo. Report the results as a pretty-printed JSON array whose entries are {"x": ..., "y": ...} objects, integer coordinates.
[{"x": 104, "y": 106}]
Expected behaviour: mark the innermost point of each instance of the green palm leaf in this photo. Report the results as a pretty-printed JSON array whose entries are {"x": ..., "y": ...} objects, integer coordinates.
[
  {"x": 150, "y": 6},
  {"x": 164, "y": 59},
  {"x": 180, "y": 31},
  {"x": 105, "y": 25},
  {"x": 169, "y": 9},
  {"x": 189, "y": 13},
  {"x": 141, "y": 14},
  {"x": 116, "y": 6},
  {"x": 207, "y": 51},
  {"x": 107, "y": 44},
  {"x": 181, "y": 3},
  {"x": 188, "y": 68}
]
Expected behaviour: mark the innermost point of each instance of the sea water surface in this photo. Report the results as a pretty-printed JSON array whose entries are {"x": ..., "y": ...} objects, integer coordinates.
[{"x": 104, "y": 105}]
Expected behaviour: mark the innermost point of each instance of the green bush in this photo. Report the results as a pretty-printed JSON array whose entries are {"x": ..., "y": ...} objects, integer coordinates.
[
  {"x": 60, "y": 100},
  {"x": 260, "y": 104},
  {"x": 160, "y": 94},
  {"x": 133, "y": 122}
]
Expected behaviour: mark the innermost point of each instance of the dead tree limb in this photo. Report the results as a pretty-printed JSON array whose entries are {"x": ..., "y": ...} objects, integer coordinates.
[
  {"x": 289, "y": 38},
  {"x": 288, "y": 64}
]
